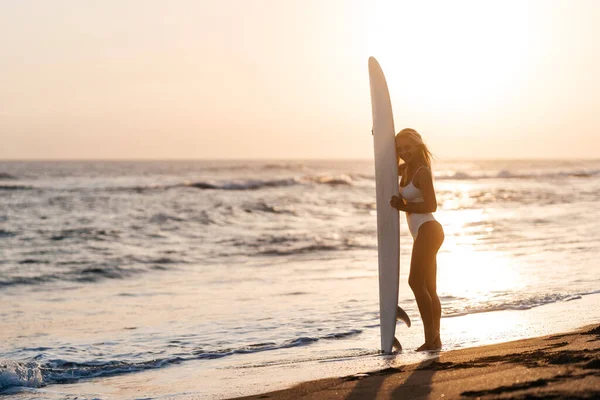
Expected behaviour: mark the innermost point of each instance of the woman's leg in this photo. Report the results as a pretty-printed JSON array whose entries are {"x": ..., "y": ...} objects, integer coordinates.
[
  {"x": 432, "y": 282},
  {"x": 436, "y": 305},
  {"x": 416, "y": 280},
  {"x": 422, "y": 280}
]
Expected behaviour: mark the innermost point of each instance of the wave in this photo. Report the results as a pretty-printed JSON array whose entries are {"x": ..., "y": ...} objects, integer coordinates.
[
  {"x": 5, "y": 233},
  {"x": 255, "y": 184},
  {"x": 87, "y": 274},
  {"x": 525, "y": 303},
  {"x": 6, "y": 177},
  {"x": 162, "y": 218},
  {"x": 283, "y": 166},
  {"x": 251, "y": 184},
  {"x": 267, "y": 208},
  {"x": 255, "y": 166},
  {"x": 339, "y": 180},
  {"x": 15, "y": 187},
  {"x": 135, "y": 189},
  {"x": 315, "y": 248},
  {"x": 234, "y": 184},
  {"x": 28, "y": 280},
  {"x": 505, "y": 174},
  {"x": 331, "y": 180},
  {"x": 86, "y": 271},
  {"x": 85, "y": 233},
  {"x": 35, "y": 374},
  {"x": 19, "y": 374},
  {"x": 299, "y": 250},
  {"x": 477, "y": 197},
  {"x": 290, "y": 245}
]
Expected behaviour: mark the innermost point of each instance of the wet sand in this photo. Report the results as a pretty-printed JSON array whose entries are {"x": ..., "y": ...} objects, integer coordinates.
[{"x": 563, "y": 366}]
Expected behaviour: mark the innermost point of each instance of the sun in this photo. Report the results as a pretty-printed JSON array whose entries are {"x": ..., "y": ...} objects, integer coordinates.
[{"x": 450, "y": 57}]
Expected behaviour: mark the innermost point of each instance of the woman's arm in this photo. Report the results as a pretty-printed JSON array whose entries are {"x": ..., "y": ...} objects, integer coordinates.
[{"x": 424, "y": 182}]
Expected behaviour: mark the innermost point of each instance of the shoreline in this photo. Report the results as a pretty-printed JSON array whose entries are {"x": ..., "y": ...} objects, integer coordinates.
[
  {"x": 330, "y": 361},
  {"x": 565, "y": 365}
]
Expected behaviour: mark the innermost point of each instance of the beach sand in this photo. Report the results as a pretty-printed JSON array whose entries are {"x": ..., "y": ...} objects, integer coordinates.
[{"x": 560, "y": 366}]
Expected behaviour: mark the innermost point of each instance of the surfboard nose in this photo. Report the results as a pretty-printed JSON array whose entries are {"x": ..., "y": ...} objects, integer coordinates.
[{"x": 373, "y": 62}]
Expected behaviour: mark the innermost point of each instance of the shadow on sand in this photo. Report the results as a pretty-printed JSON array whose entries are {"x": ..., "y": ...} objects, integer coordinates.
[{"x": 416, "y": 386}]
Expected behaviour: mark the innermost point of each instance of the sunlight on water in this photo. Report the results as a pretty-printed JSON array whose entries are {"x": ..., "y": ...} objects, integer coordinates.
[
  {"x": 458, "y": 196},
  {"x": 469, "y": 268},
  {"x": 476, "y": 275},
  {"x": 456, "y": 224}
]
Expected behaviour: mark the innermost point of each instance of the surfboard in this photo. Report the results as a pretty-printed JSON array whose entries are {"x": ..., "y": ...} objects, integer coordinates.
[{"x": 388, "y": 224}]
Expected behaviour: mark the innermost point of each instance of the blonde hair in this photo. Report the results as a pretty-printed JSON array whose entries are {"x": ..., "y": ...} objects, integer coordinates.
[{"x": 421, "y": 146}]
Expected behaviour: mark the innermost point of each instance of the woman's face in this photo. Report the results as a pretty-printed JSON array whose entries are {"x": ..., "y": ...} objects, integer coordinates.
[{"x": 406, "y": 148}]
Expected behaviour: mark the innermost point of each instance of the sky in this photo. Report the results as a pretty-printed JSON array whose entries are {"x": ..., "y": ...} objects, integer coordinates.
[{"x": 248, "y": 79}]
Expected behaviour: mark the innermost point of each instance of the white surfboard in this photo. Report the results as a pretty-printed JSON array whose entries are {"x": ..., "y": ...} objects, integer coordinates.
[{"x": 388, "y": 225}]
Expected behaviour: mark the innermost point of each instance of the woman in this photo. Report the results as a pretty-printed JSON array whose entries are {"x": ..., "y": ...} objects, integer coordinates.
[{"x": 417, "y": 199}]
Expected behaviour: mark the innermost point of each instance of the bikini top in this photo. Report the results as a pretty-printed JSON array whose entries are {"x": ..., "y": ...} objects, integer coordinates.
[{"x": 410, "y": 192}]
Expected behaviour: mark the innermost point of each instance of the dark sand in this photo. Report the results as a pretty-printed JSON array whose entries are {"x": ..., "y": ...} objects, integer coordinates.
[{"x": 565, "y": 366}]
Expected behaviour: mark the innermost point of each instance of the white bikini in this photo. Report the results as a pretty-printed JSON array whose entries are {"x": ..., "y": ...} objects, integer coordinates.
[{"x": 412, "y": 194}]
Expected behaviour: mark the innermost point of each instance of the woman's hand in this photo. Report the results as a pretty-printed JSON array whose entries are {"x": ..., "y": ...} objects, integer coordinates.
[{"x": 397, "y": 202}]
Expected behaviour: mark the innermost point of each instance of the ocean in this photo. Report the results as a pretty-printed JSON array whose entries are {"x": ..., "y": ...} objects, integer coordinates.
[{"x": 211, "y": 279}]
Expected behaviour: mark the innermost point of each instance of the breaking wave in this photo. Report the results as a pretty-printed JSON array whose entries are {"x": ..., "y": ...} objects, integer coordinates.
[
  {"x": 504, "y": 174},
  {"x": 524, "y": 303},
  {"x": 5, "y": 176},
  {"x": 35, "y": 374},
  {"x": 255, "y": 184}
]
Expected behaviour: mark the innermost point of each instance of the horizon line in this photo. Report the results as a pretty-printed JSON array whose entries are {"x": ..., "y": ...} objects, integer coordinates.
[{"x": 294, "y": 159}]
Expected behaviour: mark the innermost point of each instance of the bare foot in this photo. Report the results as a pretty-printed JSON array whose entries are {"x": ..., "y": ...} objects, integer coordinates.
[
  {"x": 423, "y": 347},
  {"x": 435, "y": 345}
]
